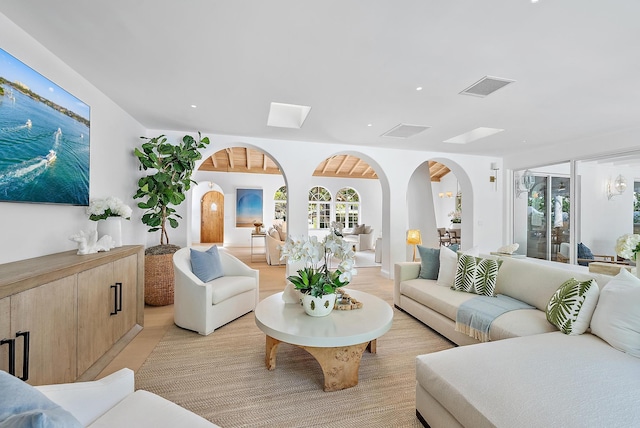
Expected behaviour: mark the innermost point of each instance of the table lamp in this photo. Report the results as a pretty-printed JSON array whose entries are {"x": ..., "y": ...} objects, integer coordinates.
[{"x": 413, "y": 238}]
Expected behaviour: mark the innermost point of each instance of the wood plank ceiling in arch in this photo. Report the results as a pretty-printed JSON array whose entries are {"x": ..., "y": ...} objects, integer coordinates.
[{"x": 241, "y": 159}]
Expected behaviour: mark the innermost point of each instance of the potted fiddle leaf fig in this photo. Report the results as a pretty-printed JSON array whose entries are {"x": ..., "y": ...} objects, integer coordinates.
[{"x": 171, "y": 167}]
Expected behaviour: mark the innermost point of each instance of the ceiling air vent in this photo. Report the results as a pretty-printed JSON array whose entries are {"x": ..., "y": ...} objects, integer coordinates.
[
  {"x": 486, "y": 86},
  {"x": 404, "y": 131}
]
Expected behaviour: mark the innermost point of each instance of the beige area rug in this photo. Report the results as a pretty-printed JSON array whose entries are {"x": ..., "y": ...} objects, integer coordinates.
[{"x": 223, "y": 378}]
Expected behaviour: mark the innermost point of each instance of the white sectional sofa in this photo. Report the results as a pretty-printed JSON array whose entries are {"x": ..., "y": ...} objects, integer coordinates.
[
  {"x": 538, "y": 377},
  {"x": 108, "y": 402}
]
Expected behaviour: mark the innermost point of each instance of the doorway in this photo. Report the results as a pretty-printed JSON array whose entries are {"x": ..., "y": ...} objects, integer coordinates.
[{"x": 212, "y": 217}]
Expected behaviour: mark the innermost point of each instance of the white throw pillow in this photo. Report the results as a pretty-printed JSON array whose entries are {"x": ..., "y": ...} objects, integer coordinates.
[
  {"x": 616, "y": 319},
  {"x": 449, "y": 265}
]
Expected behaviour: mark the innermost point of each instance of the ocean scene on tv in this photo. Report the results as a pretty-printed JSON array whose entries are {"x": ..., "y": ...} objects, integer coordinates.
[{"x": 44, "y": 138}]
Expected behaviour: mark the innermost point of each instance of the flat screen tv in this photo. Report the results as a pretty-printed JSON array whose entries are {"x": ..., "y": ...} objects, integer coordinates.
[{"x": 44, "y": 139}]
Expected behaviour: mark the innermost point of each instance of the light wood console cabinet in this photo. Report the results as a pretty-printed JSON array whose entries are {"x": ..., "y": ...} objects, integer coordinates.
[{"x": 64, "y": 317}]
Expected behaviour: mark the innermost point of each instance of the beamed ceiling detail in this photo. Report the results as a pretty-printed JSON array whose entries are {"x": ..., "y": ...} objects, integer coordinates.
[{"x": 241, "y": 159}]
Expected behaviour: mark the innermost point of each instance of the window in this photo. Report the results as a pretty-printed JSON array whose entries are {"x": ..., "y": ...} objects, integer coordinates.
[
  {"x": 280, "y": 204},
  {"x": 348, "y": 207},
  {"x": 319, "y": 208}
]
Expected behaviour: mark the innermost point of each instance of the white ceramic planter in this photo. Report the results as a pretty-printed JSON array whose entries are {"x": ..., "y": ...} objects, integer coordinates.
[
  {"x": 318, "y": 306},
  {"x": 111, "y": 226}
]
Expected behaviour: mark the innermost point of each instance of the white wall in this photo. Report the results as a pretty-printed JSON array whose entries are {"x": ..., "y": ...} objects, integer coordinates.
[
  {"x": 228, "y": 183},
  {"x": 299, "y": 159},
  {"x": 443, "y": 206},
  {"x": 369, "y": 191},
  {"x": 31, "y": 230},
  {"x": 603, "y": 220}
]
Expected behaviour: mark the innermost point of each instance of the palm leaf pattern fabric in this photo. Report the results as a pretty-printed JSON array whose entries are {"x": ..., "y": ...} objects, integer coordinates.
[
  {"x": 564, "y": 306},
  {"x": 476, "y": 275}
]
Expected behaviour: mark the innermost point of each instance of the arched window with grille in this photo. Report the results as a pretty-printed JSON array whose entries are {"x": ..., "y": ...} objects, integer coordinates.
[
  {"x": 348, "y": 207},
  {"x": 319, "y": 208},
  {"x": 280, "y": 204}
]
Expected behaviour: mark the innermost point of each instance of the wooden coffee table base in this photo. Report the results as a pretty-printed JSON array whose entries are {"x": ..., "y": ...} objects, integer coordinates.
[{"x": 339, "y": 365}]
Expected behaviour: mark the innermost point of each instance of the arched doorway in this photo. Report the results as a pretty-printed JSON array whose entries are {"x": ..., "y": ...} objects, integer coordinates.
[{"x": 212, "y": 217}]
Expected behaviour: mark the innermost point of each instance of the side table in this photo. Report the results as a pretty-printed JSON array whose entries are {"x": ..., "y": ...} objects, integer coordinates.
[{"x": 254, "y": 252}]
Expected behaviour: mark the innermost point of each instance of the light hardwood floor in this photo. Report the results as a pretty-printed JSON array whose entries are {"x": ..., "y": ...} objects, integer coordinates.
[{"x": 157, "y": 319}]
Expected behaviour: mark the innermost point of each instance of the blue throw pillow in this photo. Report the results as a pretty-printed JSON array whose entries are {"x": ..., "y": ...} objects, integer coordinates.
[
  {"x": 429, "y": 262},
  {"x": 206, "y": 265},
  {"x": 21, "y": 405},
  {"x": 454, "y": 247},
  {"x": 584, "y": 253}
]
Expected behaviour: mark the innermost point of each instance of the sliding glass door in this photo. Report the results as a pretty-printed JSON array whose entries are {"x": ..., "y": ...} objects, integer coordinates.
[{"x": 541, "y": 215}]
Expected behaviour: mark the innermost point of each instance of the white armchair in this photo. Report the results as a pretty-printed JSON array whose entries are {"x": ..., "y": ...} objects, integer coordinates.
[
  {"x": 363, "y": 241},
  {"x": 273, "y": 250},
  {"x": 112, "y": 402},
  {"x": 203, "y": 307}
]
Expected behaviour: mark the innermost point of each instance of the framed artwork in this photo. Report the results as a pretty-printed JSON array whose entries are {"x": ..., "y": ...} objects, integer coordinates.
[
  {"x": 248, "y": 207},
  {"x": 44, "y": 139}
]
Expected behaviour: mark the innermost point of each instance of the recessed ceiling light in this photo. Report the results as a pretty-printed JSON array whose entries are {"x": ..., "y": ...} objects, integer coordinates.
[
  {"x": 287, "y": 115},
  {"x": 193, "y": 106},
  {"x": 473, "y": 135},
  {"x": 419, "y": 88},
  {"x": 404, "y": 130},
  {"x": 370, "y": 124}
]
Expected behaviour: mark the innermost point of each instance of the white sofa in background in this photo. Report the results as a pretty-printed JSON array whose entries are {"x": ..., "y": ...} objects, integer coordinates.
[
  {"x": 535, "y": 377},
  {"x": 362, "y": 236},
  {"x": 203, "y": 307},
  {"x": 112, "y": 402}
]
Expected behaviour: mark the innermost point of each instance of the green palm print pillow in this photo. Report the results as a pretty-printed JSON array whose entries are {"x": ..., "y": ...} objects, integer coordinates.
[{"x": 571, "y": 306}]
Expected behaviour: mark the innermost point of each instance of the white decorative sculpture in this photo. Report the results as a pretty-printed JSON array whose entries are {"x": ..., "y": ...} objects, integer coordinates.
[
  {"x": 509, "y": 249},
  {"x": 88, "y": 242}
]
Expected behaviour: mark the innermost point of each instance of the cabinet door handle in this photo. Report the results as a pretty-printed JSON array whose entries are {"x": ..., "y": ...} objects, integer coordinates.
[
  {"x": 115, "y": 300},
  {"x": 12, "y": 354},
  {"x": 119, "y": 308},
  {"x": 25, "y": 354}
]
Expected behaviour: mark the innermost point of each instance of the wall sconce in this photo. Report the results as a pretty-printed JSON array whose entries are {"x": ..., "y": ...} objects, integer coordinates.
[
  {"x": 616, "y": 188},
  {"x": 524, "y": 183},
  {"x": 494, "y": 177},
  {"x": 414, "y": 238},
  {"x": 447, "y": 194}
]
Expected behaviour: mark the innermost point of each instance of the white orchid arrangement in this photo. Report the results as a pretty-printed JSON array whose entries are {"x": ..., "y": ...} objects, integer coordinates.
[
  {"x": 456, "y": 216},
  {"x": 100, "y": 209},
  {"x": 628, "y": 246},
  {"x": 316, "y": 278}
]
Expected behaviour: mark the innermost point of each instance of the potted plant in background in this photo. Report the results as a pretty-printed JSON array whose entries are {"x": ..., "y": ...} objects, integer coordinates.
[
  {"x": 171, "y": 167},
  {"x": 316, "y": 281}
]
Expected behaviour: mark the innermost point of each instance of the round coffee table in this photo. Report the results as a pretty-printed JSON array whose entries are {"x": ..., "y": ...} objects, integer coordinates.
[{"x": 336, "y": 341}]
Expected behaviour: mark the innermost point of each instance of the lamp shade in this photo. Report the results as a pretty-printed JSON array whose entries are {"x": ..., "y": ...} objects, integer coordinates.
[{"x": 413, "y": 237}]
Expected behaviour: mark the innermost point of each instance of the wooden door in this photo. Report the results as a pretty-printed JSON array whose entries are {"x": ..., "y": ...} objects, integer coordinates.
[
  {"x": 48, "y": 313},
  {"x": 96, "y": 302},
  {"x": 126, "y": 273},
  {"x": 212, "y": 217}
]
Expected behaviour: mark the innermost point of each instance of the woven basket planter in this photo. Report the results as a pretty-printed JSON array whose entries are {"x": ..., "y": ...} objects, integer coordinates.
[{"x": 158, "y": 279}]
